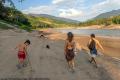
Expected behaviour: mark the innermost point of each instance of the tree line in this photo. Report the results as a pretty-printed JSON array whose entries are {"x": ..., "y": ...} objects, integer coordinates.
[
  {"x": 103, "y": 21},
  {"x": 13, "y": 16}
]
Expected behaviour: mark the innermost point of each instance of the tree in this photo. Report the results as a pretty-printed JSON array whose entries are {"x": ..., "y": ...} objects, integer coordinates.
[{"x": 10, "y": 2}]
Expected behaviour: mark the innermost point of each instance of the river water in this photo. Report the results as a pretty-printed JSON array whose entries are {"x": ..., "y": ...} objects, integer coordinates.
[{"x": 100, "y": 32}]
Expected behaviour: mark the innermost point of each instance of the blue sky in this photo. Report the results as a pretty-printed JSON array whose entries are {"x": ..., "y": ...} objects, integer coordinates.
[{"x": 73, "y": 9}]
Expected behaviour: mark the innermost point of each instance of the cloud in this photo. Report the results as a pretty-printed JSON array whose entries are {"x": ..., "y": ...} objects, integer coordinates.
[
  {"x": 57, "y": 1},
  {"x": 70, "y": 13},
  {"x": 105, "y": 6},
  {"x": 98, "y": 8},
  {"x": 75, "y": 9},
  {"x": 39, "y": 10},
  {"x": 68, "y": 3}
]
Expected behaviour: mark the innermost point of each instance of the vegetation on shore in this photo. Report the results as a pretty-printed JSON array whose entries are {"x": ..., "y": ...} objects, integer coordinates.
[
  {"x": 16, "y": 18},
  {"x": 10, "y": 15},
  {"x": 103, "y": 21},
  {"x": 44, "y": 22},
  {"x": 4, "y": 26}
]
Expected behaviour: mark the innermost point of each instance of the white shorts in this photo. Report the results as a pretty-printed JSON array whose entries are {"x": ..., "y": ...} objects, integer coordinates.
[{"x": 93, "y": 55}]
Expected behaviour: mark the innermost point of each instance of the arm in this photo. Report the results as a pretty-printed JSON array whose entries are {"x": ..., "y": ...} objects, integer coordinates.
[
  {"x": 17, "y": 47},
  {"x": 78, "y": 46},
  {"x": 81, "y": 47},
  {"x": 86, "y": 48},
  {"x": 25, "y": 49},
  {"x": 88, "y": 43},
  {"x": 100, "y": 46},
  {"x": 65, "y": 47}
]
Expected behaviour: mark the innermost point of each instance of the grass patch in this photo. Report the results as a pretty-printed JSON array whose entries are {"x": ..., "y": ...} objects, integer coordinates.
[
  {"x": 3, "y": 26},
  {"x": 24, "y": 27}
]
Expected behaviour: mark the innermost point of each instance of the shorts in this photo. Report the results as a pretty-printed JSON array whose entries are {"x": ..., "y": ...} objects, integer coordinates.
[
  {"x": 93, "y": 53},
  {"x": 21, "y": 55},
  {"x": 70, "y": 55}
]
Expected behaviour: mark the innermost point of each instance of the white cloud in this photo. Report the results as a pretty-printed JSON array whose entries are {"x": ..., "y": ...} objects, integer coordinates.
[
  {"x": 57, "y": 1},
  {"x": 70, "y": 13},
  {"x": 101, "y": 7},
  {"x": 75, "y": 9},
  {"x": 105, "y": 6},
  {"x": 68, "y": 3},
  {"x": 39, "y": 10}
]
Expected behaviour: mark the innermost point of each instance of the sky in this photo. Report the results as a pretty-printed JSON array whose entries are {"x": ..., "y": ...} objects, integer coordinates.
[{"x": 80, "y": 10}]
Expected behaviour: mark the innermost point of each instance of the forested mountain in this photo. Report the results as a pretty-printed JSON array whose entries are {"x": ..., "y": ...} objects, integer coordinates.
[
  {"x": 55, "y": 18},
  {"x": 108, "y": 14},
  {"x": 10, "y": 15}
]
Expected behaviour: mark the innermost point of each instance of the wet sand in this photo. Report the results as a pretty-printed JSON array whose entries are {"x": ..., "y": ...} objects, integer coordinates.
[{"x": 51, "y": 63}]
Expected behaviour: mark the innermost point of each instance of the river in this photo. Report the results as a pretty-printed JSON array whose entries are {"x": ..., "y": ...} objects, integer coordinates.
[{"x": 100, "y": 32}]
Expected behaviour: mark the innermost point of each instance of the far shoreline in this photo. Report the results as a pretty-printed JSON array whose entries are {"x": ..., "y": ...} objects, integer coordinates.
[
  {"x": 53, "y": 31},
  {"x": 99, "y": 27}
]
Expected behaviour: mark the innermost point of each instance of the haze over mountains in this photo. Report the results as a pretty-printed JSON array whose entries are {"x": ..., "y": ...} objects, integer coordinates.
[
  {"x": 108, "y": 14},
  {"x": 100, "y": 16},
  {"x": 55, "y": 18}
]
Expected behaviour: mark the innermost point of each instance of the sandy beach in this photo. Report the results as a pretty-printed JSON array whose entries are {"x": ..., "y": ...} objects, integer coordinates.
[
  {"x": 51, "y": 63},
  {"x": 110, "y": 44}
]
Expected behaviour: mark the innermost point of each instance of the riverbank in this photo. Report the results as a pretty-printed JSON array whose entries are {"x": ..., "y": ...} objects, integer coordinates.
[
  {"x": 110, "y": 44},
  {"x": 51, "y": 63},
  {"x": 94, "y": 27}
]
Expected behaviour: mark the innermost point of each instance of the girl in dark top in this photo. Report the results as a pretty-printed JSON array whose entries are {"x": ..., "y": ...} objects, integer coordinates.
[{"x": 69, "y": 50}]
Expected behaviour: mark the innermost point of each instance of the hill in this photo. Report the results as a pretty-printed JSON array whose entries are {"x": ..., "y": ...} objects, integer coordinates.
[
  {"x": 108, "y": 14},
  {"x": 55, "y": 18},
  {"x": 48, "y": 21},
  {"x": 105, "y": 19}
]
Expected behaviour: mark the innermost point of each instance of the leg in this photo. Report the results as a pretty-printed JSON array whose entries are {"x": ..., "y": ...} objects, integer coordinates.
[
  {"x": 73, "y": 64},
  {"x": 69, "y": 64},
  {"x": 20, "y": 64},
  {"x": 91, "y": 60},
  {"x": 95, "y": 62},
  {"x": 25, "y": 63}
]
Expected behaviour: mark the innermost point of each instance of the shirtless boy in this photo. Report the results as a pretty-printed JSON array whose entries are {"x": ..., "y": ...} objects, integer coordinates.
[
  {"x": 93, "y": 46},
  {"x": 22, "y": 52}
]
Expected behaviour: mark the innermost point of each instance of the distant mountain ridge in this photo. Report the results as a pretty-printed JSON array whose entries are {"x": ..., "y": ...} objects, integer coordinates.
[
  {"x": 108, "y": 14},
  {"x": 55, "y": 18}
]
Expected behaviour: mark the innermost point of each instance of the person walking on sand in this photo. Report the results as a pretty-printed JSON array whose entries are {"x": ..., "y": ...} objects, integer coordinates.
[
  {"x": 93, "y": 45},
  {"x": 22, "y": 52},
  {"x": 69, "y": 50}
]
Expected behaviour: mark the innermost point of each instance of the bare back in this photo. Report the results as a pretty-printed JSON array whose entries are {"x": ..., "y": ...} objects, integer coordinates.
[
  {"x": 70, "y": 45},
  {"x": 98, "y": 45},
  {"x": 22, "y": 47}
]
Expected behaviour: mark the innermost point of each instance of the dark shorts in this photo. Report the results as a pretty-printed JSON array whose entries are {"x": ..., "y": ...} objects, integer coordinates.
[
  {"x": 70, "y": 55},
  {"x": 21, "y": 55},
  {"x": 93, "y": 53}
]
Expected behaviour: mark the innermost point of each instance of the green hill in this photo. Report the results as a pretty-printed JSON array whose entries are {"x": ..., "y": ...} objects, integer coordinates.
[
  {"x": 55, "y": 18},
  {"x": 112, "y": 17},
  {"x": 10, "y": 15},
  {"x": 49, "y": 22},
  {"x": 108, "y": 14}
]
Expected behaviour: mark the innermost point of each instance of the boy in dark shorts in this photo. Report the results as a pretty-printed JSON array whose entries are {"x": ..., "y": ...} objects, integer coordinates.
[
  {"x": 93, "y": 45},
  {"x": 22, "y": 52}
]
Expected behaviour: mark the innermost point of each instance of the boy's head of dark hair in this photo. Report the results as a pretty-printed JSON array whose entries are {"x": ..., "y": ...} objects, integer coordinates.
[
  {"x": 92, "y": 35},
  {"x": 70, "y": 36},
  {"x": 28, "y": 42}
]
